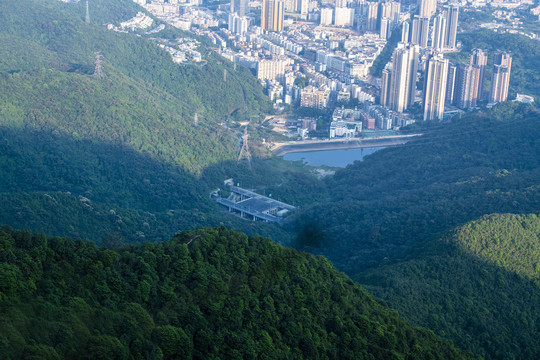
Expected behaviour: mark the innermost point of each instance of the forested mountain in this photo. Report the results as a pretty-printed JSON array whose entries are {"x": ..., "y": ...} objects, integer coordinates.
[
  {"x": 383, "y": 219},
  {"x": 120, "y": 157},
  {"x": 144, "y": 101},
  {"x": 479, "y": 286},
  {"x": 206, "y": 294}
]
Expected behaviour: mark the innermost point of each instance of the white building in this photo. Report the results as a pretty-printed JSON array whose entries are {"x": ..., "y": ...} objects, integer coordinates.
[
  {"x": 327, "y": 15},
  {"x": 344, "y": 17}
]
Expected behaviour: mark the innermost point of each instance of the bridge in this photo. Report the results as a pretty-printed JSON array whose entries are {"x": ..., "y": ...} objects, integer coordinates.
[{"x": 252, "y": 206}]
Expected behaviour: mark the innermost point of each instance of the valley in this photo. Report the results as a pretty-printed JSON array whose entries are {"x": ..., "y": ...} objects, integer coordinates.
[{"x": 111, "y": 247}]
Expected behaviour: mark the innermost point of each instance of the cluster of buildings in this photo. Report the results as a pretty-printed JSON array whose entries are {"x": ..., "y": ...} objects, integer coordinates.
[
  {"x": 318, "y": 54},
  {"x": 424, "y": 42},
  {"x": 182, "y": 50},
  {"x": 139, "y": 21},
  {"x": 350, "y": 123},
  {"x": 322, "y": 45},
  {"x": 182, "y": 14},
  {"x": 329, "y": 62}
]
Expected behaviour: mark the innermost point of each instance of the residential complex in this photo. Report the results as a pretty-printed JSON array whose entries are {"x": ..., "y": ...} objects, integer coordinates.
[{"x": 319, "y": 54}]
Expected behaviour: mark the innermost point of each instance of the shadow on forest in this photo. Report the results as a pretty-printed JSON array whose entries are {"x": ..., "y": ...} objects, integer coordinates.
[
  {"x": 53, "y": 183},
  {"x": 481, "y": 307}
]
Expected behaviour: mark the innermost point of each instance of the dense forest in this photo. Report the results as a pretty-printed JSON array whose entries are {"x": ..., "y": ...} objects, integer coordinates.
[
  {"x": 144, "y": 101},
  {"x": 206, "y": 294},
  {"x": 380, "y": 220},
  {"x": 379, "y": 209},
  {"x": 478, "y": 286}
]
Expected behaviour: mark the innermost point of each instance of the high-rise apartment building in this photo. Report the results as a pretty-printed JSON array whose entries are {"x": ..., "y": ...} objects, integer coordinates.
[
  {"x": 451, "y": 14},
  {"x": 405, "y": 32},
  {"x": 438, "y": 35},
  {"x": 239, "y": 7},
  {"x": 272, "y": 15},
  {"x": 479, "y": 58},
  {"x": 327, "y": 15},
  {"x": 343, "y": 16},
  {"x": 303, "y": 7},
  {"x": 385, "y": 87},
  {"x": 389, "y": 10},
  {"x": 238, "y": 24},
  {"x": 420, "y": 31},
  {"x": 500, "y": 79},
  {"x": 427, "y": 8},
  {"x": 372, "y": 15},
  {"x": 396, "y": 11},
  {"x": 466, "y": 93},
  {"x": 451, "y": 84},
  {"x": 436, "y": 75},
  {"x": 385, "y": 30},
  {"x": 402, "y": 82}
]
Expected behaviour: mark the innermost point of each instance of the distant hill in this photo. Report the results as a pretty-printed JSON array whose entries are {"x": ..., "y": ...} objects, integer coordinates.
[
  {"x": 479, "y": 287},
  {"x": 209, "y": 293}
]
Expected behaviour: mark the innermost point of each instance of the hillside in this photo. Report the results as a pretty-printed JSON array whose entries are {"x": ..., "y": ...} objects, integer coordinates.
[
  {"x": 145, "y": 101},
  {"x": 382, "y": 219},
  {"x": 508, "y": 241},
  {"x": 525, "y": 54},
  {"x": 488, "y": 302},
  {"x": 210, "y": 293},
  {"x": 381, "y": 209},
  {"x": 120, "y": 156}
]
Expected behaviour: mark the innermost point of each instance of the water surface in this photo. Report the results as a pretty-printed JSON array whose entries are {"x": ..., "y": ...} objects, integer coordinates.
[{"x": 337, "y": 158}]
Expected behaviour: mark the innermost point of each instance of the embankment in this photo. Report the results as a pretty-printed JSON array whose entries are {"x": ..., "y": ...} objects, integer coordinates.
[{"x": 334, "y": 144}]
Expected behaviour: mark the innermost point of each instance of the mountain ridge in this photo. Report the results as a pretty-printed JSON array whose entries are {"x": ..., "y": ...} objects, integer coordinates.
[{"x": 206, "y": 293}]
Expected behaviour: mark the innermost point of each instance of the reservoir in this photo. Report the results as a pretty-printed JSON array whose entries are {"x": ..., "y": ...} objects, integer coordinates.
[{"x": 337, "y": 158}]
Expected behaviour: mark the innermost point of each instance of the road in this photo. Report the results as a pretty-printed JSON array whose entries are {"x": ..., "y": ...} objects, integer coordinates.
[{"x": 281, "y": 149}]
